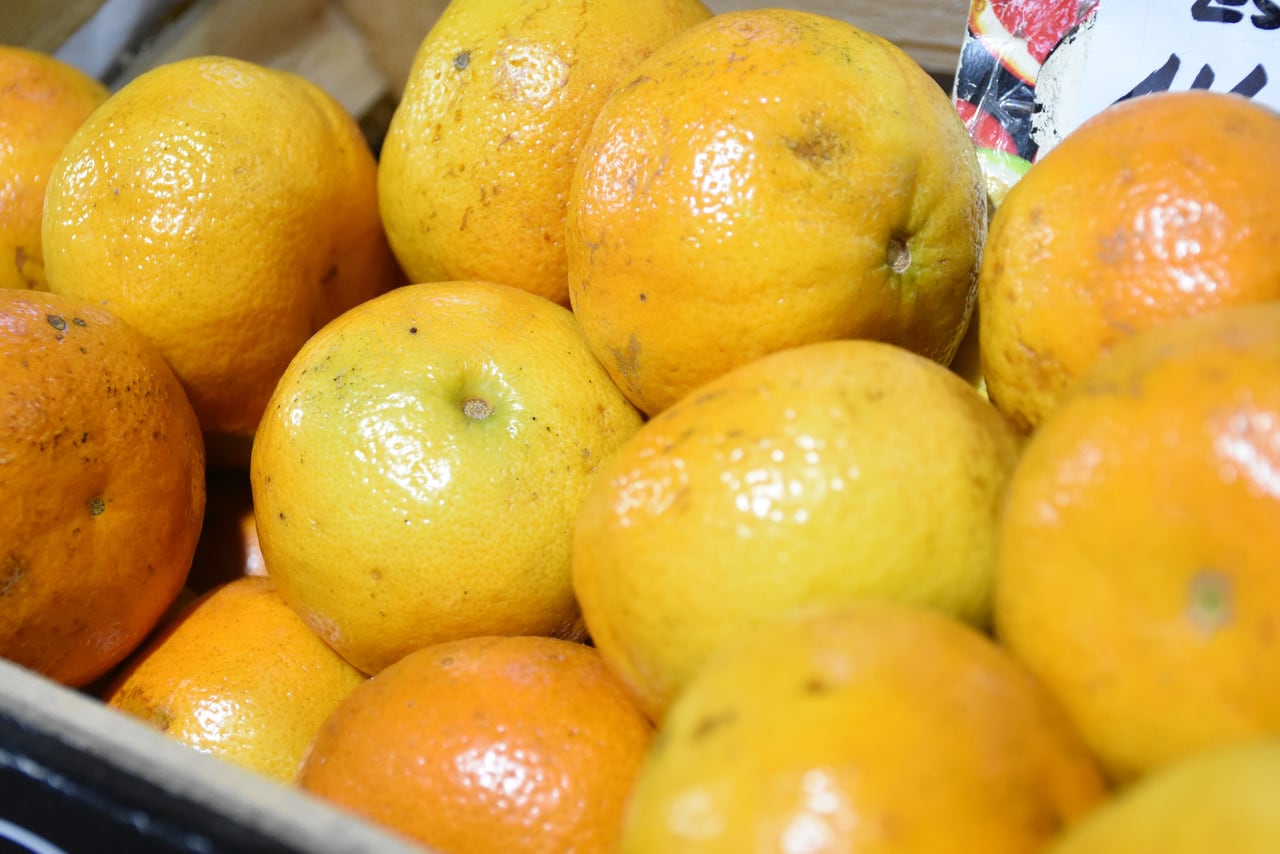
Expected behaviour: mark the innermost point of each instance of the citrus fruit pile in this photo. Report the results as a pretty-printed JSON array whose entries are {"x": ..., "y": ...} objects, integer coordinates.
[{"x": 663, "y": 444}]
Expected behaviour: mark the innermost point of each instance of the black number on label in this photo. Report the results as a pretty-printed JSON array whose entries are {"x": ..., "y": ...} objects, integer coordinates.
[
  {"x": 1228, "y": 12},
  {"x": 1218, "y": 11},
  {"x": 1161, "y": 80},
  {"x": 1268, "y": 15}
]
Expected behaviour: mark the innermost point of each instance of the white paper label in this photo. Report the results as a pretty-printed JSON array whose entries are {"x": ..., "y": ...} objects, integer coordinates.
[{"x": 1142, "y": 46}]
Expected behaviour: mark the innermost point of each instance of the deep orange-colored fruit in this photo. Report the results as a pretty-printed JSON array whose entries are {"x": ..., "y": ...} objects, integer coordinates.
[
  {"x": 765, "y": 179},
  {"x": 513, "y": 744},
  {"x": 1156, "y": 208},
  {"x": 43, "y": 100},
  {"x": 862, "y": 728},
  {"x": 102, "y": 481},
  {"x": 1137, "y": 554},
  {"x": 227, "y": 211},
  {"x": 237, "y": 675}
]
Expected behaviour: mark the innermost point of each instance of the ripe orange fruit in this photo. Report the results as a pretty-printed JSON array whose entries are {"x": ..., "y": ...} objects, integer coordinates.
[
  {"x": 1154, "y": 209},
  {"x": 475, "y": 168},
  {"x": 1215, "y": 800},
  {"x": 835, "y": 470},
  {"x": 102, "y": 481},
  {"x": 419, "y": 468},
  {"x": 512, "y": 744},
  {"x": 765, "y": 179},
  {"x": 1137, "y": 572},
  {"x": 868, "y": 728},
  {"x": 227, "y": 211},
  {"x": 42, "y": 102},
  {"x": 237, "y": 675}
]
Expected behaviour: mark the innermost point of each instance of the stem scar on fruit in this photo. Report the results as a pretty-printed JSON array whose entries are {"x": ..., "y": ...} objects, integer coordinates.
[
  {"x": 476, "y": 408},
  {"x": 899, "y": 255}
]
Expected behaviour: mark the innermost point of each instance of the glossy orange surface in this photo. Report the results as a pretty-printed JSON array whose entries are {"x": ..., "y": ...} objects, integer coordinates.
[
  {"x": 102, "y": 481},
  {"x": 518, "y": 744},
  {"x": 237, "y": 675},
  {"x": 843, "y": 469},
  {"x": 227, "y": 211},
  {"x": 765, "y": 179},
  {"x": 869, "y": 728},
  {"x": 1137, "y": 571},
  {"x": 474, "y": 173},
  {"x": 1158, "y": 208},
  {"x": 42, "y": 102},
  {"x": 417, "y": 473}
]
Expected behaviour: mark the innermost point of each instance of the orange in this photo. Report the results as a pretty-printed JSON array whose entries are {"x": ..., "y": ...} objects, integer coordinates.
[
  {"x": 474, "y": 173},
  {"x": 512, "y": 744},
  {"x": 227, "y": 211},
  {"x": 1137, "y": 573},
  {"x": 419, "y": 468},
  {"x": 228, "y": 547},
  {"x": 1156, "y": 208},
  {"x": 42, "y": 102},
  {"x": 831, "y": 471},
  {"x": 867, "y": 728},
  {"x": 765, "y": 179},
  {"x": 102, "y": 484},
  {"x": 237, "y": 675},
  {"x": 1216, "y": 800}
]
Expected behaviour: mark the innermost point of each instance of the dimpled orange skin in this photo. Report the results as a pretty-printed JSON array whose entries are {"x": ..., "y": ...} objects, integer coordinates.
[
  {"x": 513, "y": 744},
  {"x": 1137, "y": 572},
  {"x": 770, "y": 178},
  {"x": 1157, "y": 208},
  {"x": 842, "y": 469},
  {"x": 237, "y": 675},
  {"x": 862, "y": 728},
  {"x": 417, "y": 474},
  {"x": 227, "y": 211},
  {"x": 42, "y": 102},
  {"x": 102, "y": 481},
  {"x": 474, "y": 173}
]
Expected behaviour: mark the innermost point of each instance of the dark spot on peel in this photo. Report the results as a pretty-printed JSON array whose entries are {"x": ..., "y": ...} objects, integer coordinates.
[
  {"x": 56, "y": 322},
  {"x": 712, "y": 723},
  {"x": 462, "y": 60},
  {"x": 11, "y": 572},
  {"x": 97, "y": 505},
  {"x": 816, "y": 686}
]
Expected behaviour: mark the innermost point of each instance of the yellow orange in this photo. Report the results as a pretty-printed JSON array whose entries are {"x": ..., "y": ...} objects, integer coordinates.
[
  {"x": 237, "y": 675},
  {"x": 474, "y": 173},
  {"x": 867, "y": 728},
  {"x": 842, "y": 469},
  {"x": 227, "y": 211},
  {"x": 1216, "y": 800},
  {"x": 420, "y": 465}
]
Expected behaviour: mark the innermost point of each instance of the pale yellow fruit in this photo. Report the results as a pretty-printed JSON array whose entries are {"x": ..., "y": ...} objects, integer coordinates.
[
  {"x": 843, "y": 469},
  {"x": 475, "y": 169},
  {"x": 1221, "y": 801},
  {"x": 420, "y": 465}
]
